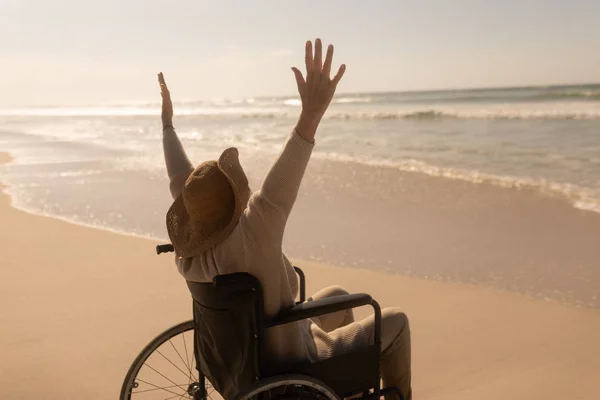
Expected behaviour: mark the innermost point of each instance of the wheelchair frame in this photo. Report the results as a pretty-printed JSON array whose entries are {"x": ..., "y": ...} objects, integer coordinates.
[{"x": 330, "y": 377}]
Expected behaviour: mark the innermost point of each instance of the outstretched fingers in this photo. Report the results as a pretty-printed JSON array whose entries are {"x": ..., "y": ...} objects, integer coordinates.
[
  {"x": 308, "y": 57},
  {"x": 328, "y": 61},
  {"x": 339, "y": 75},
  {"x": 163, "y": 86},
  {"x": 318, "y": 64},
  {"x": 317, "y": 88},
  {"x": 299, "y": 81}
]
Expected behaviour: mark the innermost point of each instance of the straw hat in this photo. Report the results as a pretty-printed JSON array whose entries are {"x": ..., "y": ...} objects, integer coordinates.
[{"x": 211, "y": 203}]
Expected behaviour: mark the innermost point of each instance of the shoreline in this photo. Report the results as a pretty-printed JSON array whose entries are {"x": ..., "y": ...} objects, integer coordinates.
[
  {"x": 468, "y": 207},
  {"x": 544, "y": 188},
  {"x": 322, "y": 263},
  {"x": 578, "y": 197},
  {"x": 325, "y": 263}
]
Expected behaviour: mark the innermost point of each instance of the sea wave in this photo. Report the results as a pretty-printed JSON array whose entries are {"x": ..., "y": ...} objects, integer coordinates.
[
  {"x": 352, "y": 100},
  {"x": 583, "y": 198},
  {"x": 493, "y": 113},
  {"x": 496, "y": 96},
  {"x": 490, "y": 114},
  {"x": 575, "y": 95}
]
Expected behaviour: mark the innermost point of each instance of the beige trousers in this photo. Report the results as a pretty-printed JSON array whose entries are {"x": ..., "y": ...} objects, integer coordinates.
[{"x": 395, "y": 339}]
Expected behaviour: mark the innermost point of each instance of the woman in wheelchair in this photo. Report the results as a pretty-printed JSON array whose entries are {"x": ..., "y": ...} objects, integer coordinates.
[{"x": 218, "y": 227}]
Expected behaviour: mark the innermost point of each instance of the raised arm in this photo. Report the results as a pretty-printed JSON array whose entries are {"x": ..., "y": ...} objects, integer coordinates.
[
  {"x": 178, "y": 164},
  {"x": 269, "y": 208}
]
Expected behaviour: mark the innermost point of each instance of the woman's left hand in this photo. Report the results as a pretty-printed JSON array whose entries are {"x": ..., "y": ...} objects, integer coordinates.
[
  {"x": 167, "y": 104},
  {"x": 317, "y": 90}
]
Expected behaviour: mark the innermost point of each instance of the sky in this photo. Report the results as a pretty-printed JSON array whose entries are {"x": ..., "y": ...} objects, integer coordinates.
[{"x": 55, "y": 52}]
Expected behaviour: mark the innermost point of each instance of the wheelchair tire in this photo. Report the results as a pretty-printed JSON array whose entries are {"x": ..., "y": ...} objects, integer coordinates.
[
  {"x": 288, "y": 387},
  {"x": 160, "y": 366}
]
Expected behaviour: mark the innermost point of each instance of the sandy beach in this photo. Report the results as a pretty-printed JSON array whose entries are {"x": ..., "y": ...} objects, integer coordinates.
[
  {"x": 78, "y": 304},
  {"x": 455, "y": 176}
]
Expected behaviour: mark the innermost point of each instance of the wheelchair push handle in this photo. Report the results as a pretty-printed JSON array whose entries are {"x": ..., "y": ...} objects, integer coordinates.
[{"x": 164, "y": 248}]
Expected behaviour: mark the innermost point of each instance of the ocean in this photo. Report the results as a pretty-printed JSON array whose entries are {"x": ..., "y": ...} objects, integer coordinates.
[{"x": 102, "y": 165}]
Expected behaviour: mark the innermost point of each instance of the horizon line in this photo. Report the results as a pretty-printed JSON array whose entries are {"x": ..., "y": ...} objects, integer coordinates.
[{"x": 295, "y": 95}]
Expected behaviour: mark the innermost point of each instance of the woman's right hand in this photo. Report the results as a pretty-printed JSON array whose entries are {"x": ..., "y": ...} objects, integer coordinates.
[{"x": 167, "y": 104}]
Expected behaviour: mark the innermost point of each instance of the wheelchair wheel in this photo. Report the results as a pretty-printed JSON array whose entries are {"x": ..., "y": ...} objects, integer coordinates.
[
  {"x": 288, "y": 387},
  {"x": 166, "y": 369}
]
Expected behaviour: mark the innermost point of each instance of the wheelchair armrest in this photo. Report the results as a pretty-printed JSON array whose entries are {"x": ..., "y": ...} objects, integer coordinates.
[
  {"x": 329, "y": 305},
  {"x": 302, "y": 279}
]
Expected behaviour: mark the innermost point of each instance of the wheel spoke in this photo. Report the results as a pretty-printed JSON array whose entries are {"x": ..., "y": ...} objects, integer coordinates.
[
  {"x": 173, "y": 364},
  {"x": 156, "y": 387},
  {"x": 193, "y": 355},
  {"x": 186, "y": 354},
  {"x": 153, "y": 369},
  {"x": 181, "y": 358},
  {"x": 172, "y": 397},
  {"x": 165, "y": 384},
  {"x": 162, "y": 388}
]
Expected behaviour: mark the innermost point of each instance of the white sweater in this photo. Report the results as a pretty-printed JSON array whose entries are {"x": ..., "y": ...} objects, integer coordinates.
[{"x": 255, "y": 246}]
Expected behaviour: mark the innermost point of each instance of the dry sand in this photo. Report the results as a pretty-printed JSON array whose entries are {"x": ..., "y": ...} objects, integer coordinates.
[{"x": 77, "y": 305}]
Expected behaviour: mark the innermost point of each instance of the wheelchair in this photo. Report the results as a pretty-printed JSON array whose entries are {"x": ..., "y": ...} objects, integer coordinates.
[{"x": 219, "y": 352}]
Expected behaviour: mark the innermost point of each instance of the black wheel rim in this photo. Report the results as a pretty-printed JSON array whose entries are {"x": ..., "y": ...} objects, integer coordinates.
[{"x": 166, "y": 369}]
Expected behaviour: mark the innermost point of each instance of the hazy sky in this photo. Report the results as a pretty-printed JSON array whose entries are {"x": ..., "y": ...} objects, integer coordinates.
[{"x": 87, "y": 51}]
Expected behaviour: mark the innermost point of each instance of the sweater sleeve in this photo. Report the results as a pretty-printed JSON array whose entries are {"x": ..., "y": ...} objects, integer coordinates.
[
  {"x": 269, "y": 208},
  {"x": 178, "y": 164}
]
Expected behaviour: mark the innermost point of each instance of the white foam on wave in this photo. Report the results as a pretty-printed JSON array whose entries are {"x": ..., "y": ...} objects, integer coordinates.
[
  {"x": 71, "y": 174},
  {"x": 582, "y": 198},
  {"x": 474, "y": 113},
  {"x": 343, "y": 108},
  {"x": 75, "y": 219},
  {"x": 12, "y": 189},
  {"x": 79, "y": 112},
  {"x": 292, "y": 102},
  {"x": 63, "y": 133},
  {"x": 215, "y": 111},
  {"x": 350, "y": 100}
]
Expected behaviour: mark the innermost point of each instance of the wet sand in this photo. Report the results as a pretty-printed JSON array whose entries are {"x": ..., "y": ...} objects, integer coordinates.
[{"x": 437, "y": 228}]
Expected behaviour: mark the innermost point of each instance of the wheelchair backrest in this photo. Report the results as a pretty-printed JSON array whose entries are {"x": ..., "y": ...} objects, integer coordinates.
[{"x": 228, "y": 315}]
